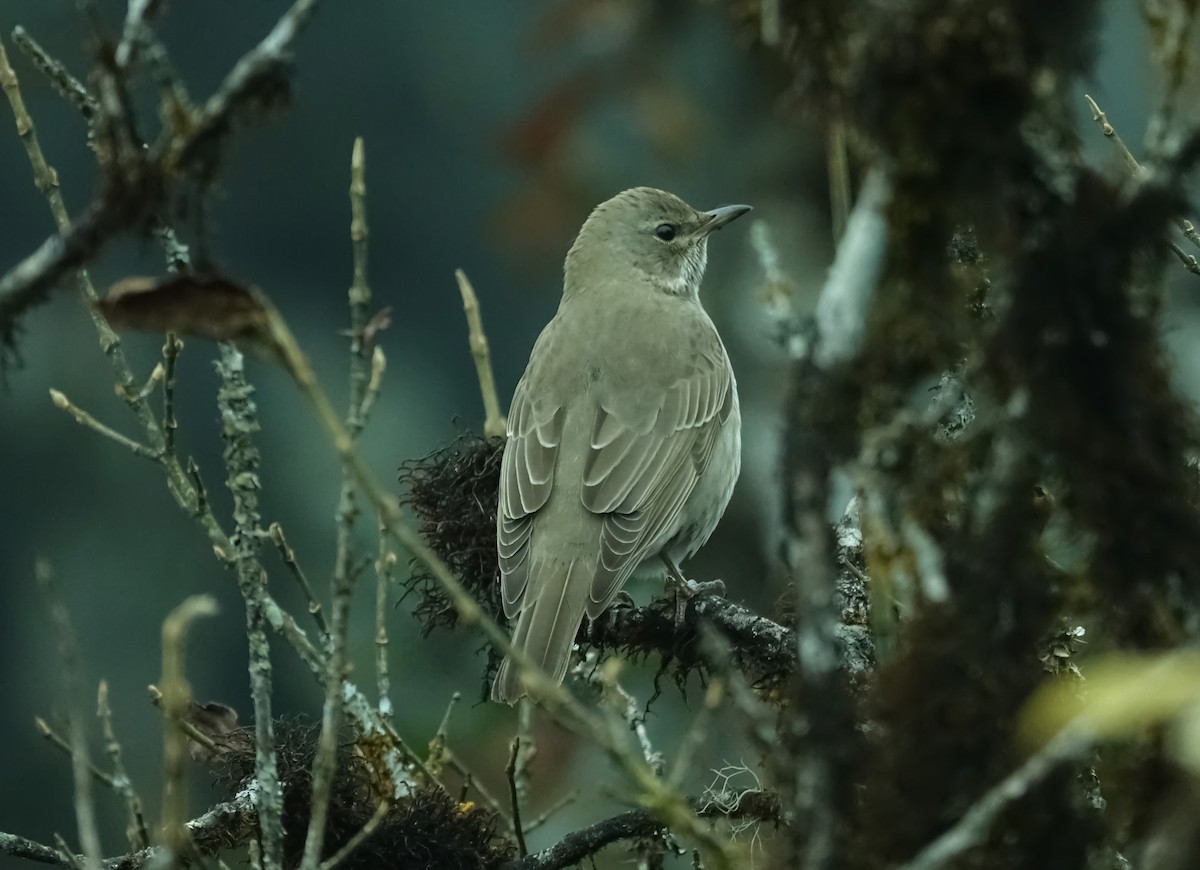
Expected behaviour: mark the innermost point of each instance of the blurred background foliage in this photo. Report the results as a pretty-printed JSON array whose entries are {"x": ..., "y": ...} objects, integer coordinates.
[{"x": 491, "y": 129}]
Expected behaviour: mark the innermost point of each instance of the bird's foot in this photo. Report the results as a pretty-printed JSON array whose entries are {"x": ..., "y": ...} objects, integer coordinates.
[{"x": 686, "y": 589}]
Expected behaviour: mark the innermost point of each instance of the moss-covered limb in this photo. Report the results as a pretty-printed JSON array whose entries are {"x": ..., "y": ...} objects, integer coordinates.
[
  {"x": 579, "y": 845},
  {"x": 223, "y": 826},
  {"x": 964, "y": 103},
  {"x": 453, "y": 491},
  {"x": 239, "y": 423}
]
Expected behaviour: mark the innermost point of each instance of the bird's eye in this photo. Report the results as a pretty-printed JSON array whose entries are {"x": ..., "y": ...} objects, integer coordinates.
[{"x": 666, "y": 232}]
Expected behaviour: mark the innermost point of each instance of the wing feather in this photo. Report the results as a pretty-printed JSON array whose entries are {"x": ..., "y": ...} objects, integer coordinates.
[
  {"x": 640, "y": 477},
  {"x": 526, "y": 479}
]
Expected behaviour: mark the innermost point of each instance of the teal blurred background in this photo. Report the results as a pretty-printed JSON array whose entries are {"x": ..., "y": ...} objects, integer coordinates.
[{"x": 491, "y": 129}]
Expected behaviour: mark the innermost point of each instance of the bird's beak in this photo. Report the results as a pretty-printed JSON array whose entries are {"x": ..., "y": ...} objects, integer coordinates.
[{"x": 718, "y": 217}]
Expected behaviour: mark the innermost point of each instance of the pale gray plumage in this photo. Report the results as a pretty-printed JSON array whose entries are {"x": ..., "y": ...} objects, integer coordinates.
[{"x": 624, "y": 433}]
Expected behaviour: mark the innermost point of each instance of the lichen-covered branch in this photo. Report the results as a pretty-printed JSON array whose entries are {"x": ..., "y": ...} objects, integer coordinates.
[{"x": 239, "y": 422}]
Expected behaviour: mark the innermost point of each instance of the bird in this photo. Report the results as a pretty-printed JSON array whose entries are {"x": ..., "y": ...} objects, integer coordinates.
[{"x": 624, "y": 434}]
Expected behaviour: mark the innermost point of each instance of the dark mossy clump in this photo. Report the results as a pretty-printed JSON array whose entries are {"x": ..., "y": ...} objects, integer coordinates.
[
  {"x": 428, "y": 829},
  {"x": 1101, "y": 408},
  {"x": 944, "y": 709},
  {"x": 453, "y": 492}
]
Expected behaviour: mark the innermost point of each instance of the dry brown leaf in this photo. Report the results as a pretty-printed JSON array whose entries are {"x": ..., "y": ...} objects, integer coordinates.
[{"x": 205, "y": 306}]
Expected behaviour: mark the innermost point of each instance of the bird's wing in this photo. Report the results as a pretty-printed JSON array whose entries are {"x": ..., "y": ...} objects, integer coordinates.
[
  {"x": 644, "y": 461},
  {"x": 526, "y": 477}
]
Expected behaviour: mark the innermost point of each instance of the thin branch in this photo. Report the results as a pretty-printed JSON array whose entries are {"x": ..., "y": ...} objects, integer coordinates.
[
  {"x": 75, "y": 862},
  {"x": 275, "y": 531},
  {"x": 71, "y": 88},
  {"x": 83, "y": 418},
  {"x": 68, "y": 650},
  {"x": 576, "y": 846},
  {"x": 528, "y": 751},
  {"x": 186, "y": 726},
  {"x": 514, "y": 797},
  {"x": 564, "y": 801},
  {"x": 359, "y": 838},
  {"x": 259, "y": 69},
  {"x": 494, "y": 423},
  {"x": 139, "y": 835},
  {"x": 385, "y": 566},
  {"x": 342, "y": 583},
  {"x": 975, "y": 826},
  {"x": 838, "y": 164},
  {"x": 59, "y": 742},
  {"x": 1185, "y": 226},
  {"x": 175, "y": 698},
  {"x": 697, "y": 732},
  {"x": 170, "y": 352}
]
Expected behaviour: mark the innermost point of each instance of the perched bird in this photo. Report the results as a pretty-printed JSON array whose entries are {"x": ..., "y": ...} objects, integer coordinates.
[{"x": 624, "y": 437}]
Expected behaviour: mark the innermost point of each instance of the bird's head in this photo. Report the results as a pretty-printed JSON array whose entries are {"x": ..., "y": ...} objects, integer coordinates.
[{"x": 644, "y": 233}]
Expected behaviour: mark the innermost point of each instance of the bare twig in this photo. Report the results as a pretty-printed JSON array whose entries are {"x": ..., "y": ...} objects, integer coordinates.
[
  {"x": 193, "y": 733},
  {"x": 359, "y": 838},
  {"x": 59, "y": 742},
  {"x": 1135, "y": 168},
  {"x": 838, "y": 163},
  {"x": 71, "y": 88},
  {"x": 344, "y": 574},
  {"x": 378, "y": 367},
  {"x": 975, "y": 825},
  {"x": 260, "y": 68},
  {"x": 139, "y": 836},
  {"x": 385, "y": 565},
  {"x": 175, "y": 698},
  {"x": 83, "y": 418},
  {"x": 289, "y": 559},
  {"x": 68, "y": 650},
  {"x": 494, "y": 423},
  {"x": 698, "y": 730},
  {"x": 528, "y": 748},
  {"x": 565, "y": 801},
  {"x": 515, "y": 797},
  {"x": 170, "y": 351},
  {"x": 75, "y": 862}
]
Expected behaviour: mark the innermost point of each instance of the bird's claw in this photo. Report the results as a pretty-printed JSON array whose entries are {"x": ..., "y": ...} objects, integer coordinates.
[{"x": 685, "y": 590}]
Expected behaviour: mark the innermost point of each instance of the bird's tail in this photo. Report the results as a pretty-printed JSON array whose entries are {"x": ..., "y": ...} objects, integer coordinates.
[{"x": 553, "y": 607}]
